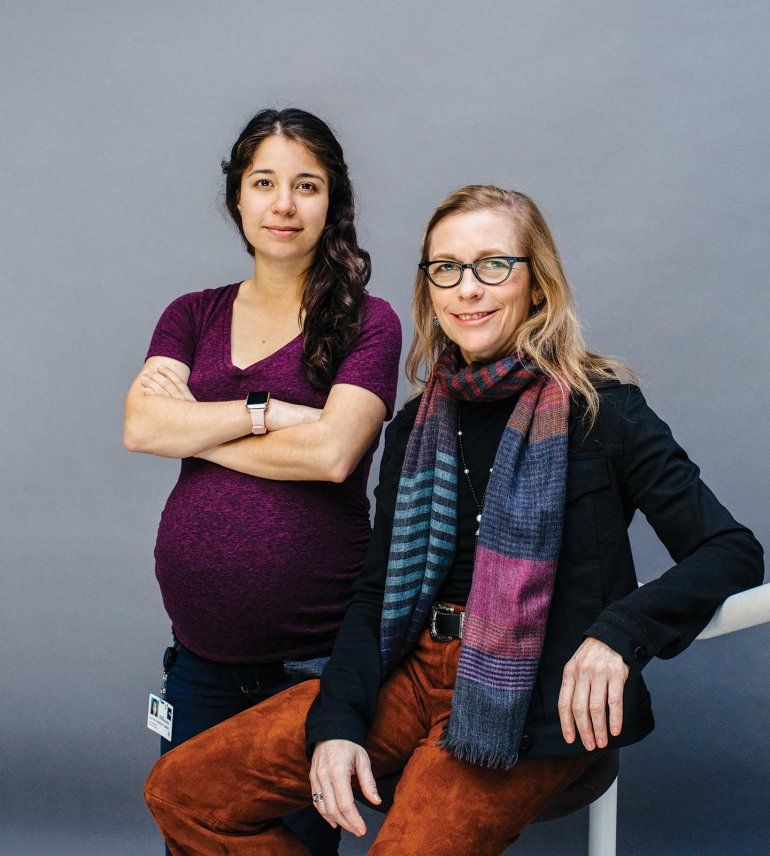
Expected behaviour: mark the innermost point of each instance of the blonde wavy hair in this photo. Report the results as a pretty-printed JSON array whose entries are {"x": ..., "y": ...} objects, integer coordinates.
[{"x": 551, "y": 333}]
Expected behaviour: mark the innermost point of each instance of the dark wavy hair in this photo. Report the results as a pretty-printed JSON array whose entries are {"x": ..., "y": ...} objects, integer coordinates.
[{"x": 335, "y": 283}]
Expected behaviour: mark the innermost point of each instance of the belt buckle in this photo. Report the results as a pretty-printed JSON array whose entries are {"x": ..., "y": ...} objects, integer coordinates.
[{"x": 434, "y": 611}]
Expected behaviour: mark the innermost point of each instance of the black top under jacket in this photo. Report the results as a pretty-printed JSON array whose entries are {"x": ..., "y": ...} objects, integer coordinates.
[
  {"x": 628, "y": 461},
  {"x": 482, "y": 424}
]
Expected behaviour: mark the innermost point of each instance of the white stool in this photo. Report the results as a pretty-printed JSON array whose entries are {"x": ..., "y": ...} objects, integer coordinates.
[{"x": 743, "y": 610}]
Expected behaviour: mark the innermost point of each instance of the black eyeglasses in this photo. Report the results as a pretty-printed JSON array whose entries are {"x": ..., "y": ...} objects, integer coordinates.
[{"x": 493, "y": 270}]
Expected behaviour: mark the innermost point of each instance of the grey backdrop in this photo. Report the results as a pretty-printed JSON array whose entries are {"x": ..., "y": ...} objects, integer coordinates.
[{"x": 641, "y": 129}]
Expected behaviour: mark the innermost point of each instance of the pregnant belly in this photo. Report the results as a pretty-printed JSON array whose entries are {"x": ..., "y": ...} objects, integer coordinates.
[{"x": 244, "y": 586}]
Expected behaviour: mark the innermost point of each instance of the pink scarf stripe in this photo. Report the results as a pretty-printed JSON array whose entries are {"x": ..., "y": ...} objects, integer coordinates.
[
  {"x": 514, "y": 642},
  {"x": 505, "y": 579}
]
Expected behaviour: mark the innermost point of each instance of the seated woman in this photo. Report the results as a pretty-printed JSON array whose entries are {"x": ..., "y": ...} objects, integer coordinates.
[{"x": 497, "y": 617}]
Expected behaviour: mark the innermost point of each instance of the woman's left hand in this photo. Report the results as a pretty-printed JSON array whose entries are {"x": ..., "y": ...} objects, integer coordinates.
[
  {"x": 165, "y": 381},
  {"x": 593, "y": 681}
]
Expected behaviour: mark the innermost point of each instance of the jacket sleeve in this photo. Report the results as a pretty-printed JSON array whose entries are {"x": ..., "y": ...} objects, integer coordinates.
[
  {"x": 715, "y": 555},
  {"x": 344, "y": 707}
]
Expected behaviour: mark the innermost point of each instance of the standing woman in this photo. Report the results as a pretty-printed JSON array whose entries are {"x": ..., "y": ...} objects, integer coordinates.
[
  {"x": 494, "y": 644},
  {"x": 273, "y": 392}
]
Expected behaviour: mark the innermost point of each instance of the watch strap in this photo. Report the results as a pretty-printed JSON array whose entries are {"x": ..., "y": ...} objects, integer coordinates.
[
  {"x": 258, "y": 420},
  {"x": 256, "y": 404}
]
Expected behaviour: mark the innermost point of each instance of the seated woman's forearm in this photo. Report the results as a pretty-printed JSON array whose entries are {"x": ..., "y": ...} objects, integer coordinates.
[{"x": 305, "y": 452}]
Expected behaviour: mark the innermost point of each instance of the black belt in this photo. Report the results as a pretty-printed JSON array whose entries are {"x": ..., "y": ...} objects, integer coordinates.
[{"x": 446, "y": 623}]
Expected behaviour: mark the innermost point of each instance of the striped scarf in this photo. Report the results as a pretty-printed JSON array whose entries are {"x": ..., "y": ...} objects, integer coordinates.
[{"x": 516, "y": 555}]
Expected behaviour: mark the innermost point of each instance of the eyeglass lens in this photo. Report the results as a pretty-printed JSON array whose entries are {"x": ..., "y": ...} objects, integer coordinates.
[{"x": 489, "y": 271}]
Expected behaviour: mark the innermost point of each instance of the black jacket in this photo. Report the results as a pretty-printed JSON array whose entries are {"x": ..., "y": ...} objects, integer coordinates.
[{"x": 629, "y": 460}]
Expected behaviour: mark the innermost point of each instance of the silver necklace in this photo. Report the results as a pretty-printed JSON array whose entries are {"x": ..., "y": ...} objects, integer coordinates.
[{"x": 467, "y": 473}]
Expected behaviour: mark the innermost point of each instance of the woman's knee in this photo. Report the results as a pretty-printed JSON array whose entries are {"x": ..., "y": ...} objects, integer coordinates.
[
  {"x": 260, "y": 751},
  {"x": 159, "y": 789}
]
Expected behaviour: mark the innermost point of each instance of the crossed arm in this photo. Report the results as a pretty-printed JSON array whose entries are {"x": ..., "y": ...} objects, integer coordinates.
[{"x": 304, "y": 443}]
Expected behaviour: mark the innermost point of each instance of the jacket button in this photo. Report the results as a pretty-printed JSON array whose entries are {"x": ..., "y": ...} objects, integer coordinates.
[
  {"x": 640, "y": 652},
  {"x": 526, "y": 743}
]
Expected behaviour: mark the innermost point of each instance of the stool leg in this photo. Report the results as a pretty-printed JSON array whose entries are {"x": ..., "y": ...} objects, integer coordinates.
[{"x": 602, "y": 823}]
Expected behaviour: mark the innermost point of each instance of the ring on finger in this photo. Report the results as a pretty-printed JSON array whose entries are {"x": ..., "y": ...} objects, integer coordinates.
[{"x": 318, "y": 798}]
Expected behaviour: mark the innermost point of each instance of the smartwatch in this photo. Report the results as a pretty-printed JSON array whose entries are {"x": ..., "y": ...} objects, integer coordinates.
[{"x": 256, "y": 404}]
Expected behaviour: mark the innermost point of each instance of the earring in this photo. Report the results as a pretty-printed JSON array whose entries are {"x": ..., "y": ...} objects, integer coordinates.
[{"x": 435, "y": 321}]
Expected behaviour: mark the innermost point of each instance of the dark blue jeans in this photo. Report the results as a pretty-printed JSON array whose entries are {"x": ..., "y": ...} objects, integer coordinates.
[{"x": 204, "y": 693}]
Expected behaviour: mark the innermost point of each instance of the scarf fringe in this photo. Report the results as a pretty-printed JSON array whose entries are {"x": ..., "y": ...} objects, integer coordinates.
[
  {"x": 465, "y": 751},
  {"x": 485, "y": 726}
]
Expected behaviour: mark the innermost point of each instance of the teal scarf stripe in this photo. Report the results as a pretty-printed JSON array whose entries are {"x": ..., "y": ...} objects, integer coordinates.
[
  {"x": 439, "y": 549},
  {"x": 393, "y": 614},
  {"x": 396, "y": 595},
  {"x": 405, "y": 534},
  {"x": 444, "y": 511},
  {"x": 438, "y": 490},
  {"x": 410, "y": 483},
  {"x": 411, "y": 580}
]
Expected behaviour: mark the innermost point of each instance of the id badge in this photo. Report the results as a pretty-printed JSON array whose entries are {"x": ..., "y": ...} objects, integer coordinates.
[{"x": 160, "y": 716}]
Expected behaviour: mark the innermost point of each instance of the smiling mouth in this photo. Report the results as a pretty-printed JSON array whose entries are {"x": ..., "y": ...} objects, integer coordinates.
[{"x": 472, "y": 316}]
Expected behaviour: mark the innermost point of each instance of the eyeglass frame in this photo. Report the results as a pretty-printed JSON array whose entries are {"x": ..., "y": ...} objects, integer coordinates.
[{"x": 423, "y": 266}]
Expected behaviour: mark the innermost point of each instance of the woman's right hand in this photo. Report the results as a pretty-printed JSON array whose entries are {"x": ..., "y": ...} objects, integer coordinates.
[
  {"x": 165, "y": 381},
  {"x": 334, "y": 763}
]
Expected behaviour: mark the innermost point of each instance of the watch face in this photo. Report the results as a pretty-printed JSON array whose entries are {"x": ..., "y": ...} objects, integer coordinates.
[{"x": 257, "y": 399}]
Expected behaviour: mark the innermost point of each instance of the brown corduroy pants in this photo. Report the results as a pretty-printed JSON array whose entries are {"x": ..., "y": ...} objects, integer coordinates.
[{"x": 224, "y": 791}]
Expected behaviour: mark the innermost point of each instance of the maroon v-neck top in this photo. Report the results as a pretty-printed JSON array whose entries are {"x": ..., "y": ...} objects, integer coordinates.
[{"x": 253, "y": 570}]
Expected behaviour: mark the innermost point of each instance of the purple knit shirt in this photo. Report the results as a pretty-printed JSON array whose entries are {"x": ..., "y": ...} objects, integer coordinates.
[{"x": 254, "y": 570}]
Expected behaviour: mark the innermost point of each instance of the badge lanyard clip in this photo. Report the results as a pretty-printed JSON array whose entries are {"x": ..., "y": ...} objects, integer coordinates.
[{"x": 169, "y": 658}]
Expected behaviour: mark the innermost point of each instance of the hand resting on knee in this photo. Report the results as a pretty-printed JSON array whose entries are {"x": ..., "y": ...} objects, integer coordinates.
[{"x": 334, "y": 763}]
